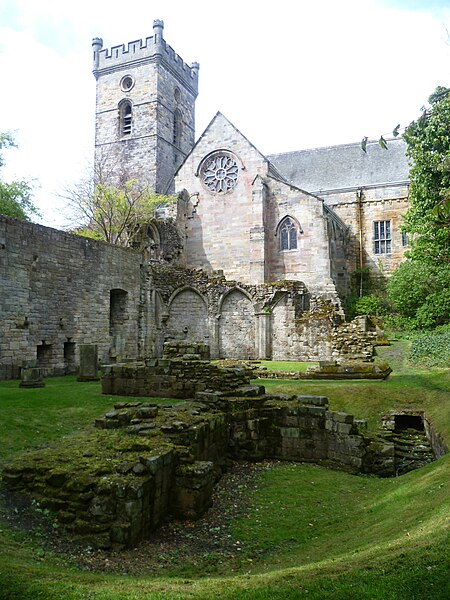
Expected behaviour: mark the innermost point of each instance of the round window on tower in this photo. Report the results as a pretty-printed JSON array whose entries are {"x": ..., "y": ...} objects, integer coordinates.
[
  {"x": 219, "y": 172},
  {"x": 126, "y": 83}
]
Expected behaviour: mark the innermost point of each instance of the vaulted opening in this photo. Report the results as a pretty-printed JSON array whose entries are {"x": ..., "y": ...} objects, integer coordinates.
[{"x": 403, "y": 422}]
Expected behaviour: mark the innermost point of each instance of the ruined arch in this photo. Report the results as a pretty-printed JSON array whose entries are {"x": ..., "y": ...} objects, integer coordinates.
[
  {"x": 152, "y": 250},
  {"x": 236, "y": 325},
  {"x": 188, "y": 316}
]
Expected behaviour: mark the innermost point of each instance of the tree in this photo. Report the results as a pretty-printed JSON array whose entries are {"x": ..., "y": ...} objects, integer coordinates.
[
  {"x": 15, "y": 197},
  {"x": 428, "y": 146},
  {"x": 420, "y": 293},
  {"x": 112, "y": 207}
]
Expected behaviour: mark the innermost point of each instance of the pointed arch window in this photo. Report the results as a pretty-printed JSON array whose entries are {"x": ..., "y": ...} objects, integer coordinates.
[
  {"x": 125, "y": 118},
  {"x": 288, "y": 234},
  {"x": 177, "y": 127}
]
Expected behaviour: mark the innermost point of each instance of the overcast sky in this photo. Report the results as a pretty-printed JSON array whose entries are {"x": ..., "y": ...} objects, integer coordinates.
[{"x": 289, "y": 74}]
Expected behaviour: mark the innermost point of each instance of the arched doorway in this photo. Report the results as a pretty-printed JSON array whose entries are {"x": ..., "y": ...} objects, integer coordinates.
[
  {"x": 188, "y": 317},
  {"x": 237, "y": 327}
]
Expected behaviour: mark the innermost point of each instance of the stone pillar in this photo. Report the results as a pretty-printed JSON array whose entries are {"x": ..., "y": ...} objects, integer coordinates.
[
  {"x": 258, "y": 262},
  {"x": 31, "y": 375},
  {"x": 264, "y": 335},
  {"x": 215, "y": 339},
  {"x": 88, "y": 363}
]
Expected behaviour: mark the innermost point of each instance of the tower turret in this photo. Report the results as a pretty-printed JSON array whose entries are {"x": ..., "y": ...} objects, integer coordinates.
[
  {"x": 97, "y": 45},
  {"x": 158, "y": 27}
]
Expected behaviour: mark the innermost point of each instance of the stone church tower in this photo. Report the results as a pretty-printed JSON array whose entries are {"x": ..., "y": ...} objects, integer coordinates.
[{"x": 145, "y": 110}]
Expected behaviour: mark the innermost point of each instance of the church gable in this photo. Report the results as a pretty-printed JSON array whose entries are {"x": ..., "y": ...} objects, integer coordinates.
[
  {"x": 244, "y": 219},
  {"x": 218, "y": 176}
]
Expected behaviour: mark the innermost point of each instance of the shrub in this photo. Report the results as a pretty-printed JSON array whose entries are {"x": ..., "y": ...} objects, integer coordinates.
[
  {"x": 369, "y": 305},
  {"x": 431, "y": 349},
  {"x": 421, "y": 293}
]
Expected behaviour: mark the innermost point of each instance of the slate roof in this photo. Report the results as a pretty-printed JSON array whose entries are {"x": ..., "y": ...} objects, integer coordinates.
[{"x": 345, "y": 166}]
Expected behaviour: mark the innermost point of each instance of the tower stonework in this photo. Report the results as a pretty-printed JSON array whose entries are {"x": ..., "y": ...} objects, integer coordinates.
[{"x": 145, "y": 110}]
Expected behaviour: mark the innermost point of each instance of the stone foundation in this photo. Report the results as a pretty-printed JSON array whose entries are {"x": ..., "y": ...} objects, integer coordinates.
[{"x": 147, "y": 462}]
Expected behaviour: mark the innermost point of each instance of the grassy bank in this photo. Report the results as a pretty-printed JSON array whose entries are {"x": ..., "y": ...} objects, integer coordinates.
[{"x": 303, "y": 531}]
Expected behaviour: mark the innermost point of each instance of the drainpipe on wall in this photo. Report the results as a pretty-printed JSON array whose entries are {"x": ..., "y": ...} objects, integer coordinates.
[{"x": 359, "y": 196}]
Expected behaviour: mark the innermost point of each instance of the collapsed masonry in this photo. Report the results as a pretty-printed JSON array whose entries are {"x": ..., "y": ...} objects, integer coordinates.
[{"x": 147, "y": 462}]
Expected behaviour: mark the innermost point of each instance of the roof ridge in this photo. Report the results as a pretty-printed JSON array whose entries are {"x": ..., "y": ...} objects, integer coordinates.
[{"x": 349, "y": 144}]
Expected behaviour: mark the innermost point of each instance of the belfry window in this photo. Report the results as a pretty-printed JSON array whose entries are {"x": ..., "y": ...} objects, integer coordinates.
[
  {"x": 382, "y": 237},
  {"x": 177, "y": 127},
  {"x": 125, "y": 118},
  {"x": 288, "y": 234}
]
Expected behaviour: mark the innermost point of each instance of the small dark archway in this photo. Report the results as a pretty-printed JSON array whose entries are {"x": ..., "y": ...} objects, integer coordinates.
[{"x": 403, "y": 422}]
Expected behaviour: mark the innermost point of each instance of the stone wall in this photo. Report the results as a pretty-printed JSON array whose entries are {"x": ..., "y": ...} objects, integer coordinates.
[
  {"x": 166, "y": 378},
  {"x": 148, "y": 462},
  {"x": 56, "y": 290},
  {"x": 279, "y": 320},
  {"x": 359, "y": 209},
  {"x": 62, "y": 290},
  {"x": 237, "y": 326}
]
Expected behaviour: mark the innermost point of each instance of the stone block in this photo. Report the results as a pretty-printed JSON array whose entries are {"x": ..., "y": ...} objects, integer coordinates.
[
  {"x": 314, "y": 400},
  {"x": 31, "y": 377},
  {"x": 88, "y": 363}
]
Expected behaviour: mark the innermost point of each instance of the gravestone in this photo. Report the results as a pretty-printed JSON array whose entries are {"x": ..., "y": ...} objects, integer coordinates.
[
  {"x": 31, "y": 375},
  {"x": 88, "y": 363}
]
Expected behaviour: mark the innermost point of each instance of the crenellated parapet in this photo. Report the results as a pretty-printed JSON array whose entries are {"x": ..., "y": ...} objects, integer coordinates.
[{"x": 152, "y": 49}]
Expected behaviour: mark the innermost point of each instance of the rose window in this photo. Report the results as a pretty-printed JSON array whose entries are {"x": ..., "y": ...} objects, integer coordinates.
[{"x": 220, "y": 173}]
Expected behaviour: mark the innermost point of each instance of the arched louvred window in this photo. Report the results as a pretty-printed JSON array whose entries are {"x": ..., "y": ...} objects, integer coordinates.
[
  {"x": 125, "y": 118},
  {"x": 288, "y": 234},
  {"x": 177, "y": 127}
]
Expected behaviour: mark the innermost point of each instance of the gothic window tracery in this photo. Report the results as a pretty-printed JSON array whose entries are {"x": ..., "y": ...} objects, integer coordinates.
[{"x": 288, "y": 234}]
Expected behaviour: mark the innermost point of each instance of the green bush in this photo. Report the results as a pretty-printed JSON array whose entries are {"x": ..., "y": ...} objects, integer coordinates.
[
  {"x": 369, "y": 305},
  {"x": 373, "y": 290},
  {"x": 420, "y": 293},
  {"x": 435, "y": 310},
  {"x": 431, "y": 349}
]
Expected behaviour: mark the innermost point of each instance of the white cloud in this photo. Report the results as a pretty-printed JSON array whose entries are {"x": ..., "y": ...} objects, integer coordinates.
[{"x": 289, "y": 74}]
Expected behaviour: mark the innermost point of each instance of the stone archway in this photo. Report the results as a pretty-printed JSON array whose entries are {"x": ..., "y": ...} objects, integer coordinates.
[
  {"x": 188, "y": 317},
  {"x": 237, "y": 327}
]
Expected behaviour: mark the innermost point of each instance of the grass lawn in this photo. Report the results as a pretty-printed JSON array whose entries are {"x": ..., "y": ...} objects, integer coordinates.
[{"x": 306, "y": 532}]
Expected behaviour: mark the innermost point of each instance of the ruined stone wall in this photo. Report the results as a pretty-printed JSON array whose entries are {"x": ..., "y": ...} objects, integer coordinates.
[
  {"x": 188, "y": 314},
  {"x": 237, "y": 326},
  {"x": 56, "y": 295},
  {"x": 276, "y": 320},
  {"x": 164, "y": 378},
  {"x": 301, "y": 334},
  {"x": 147, "y": 462}
]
